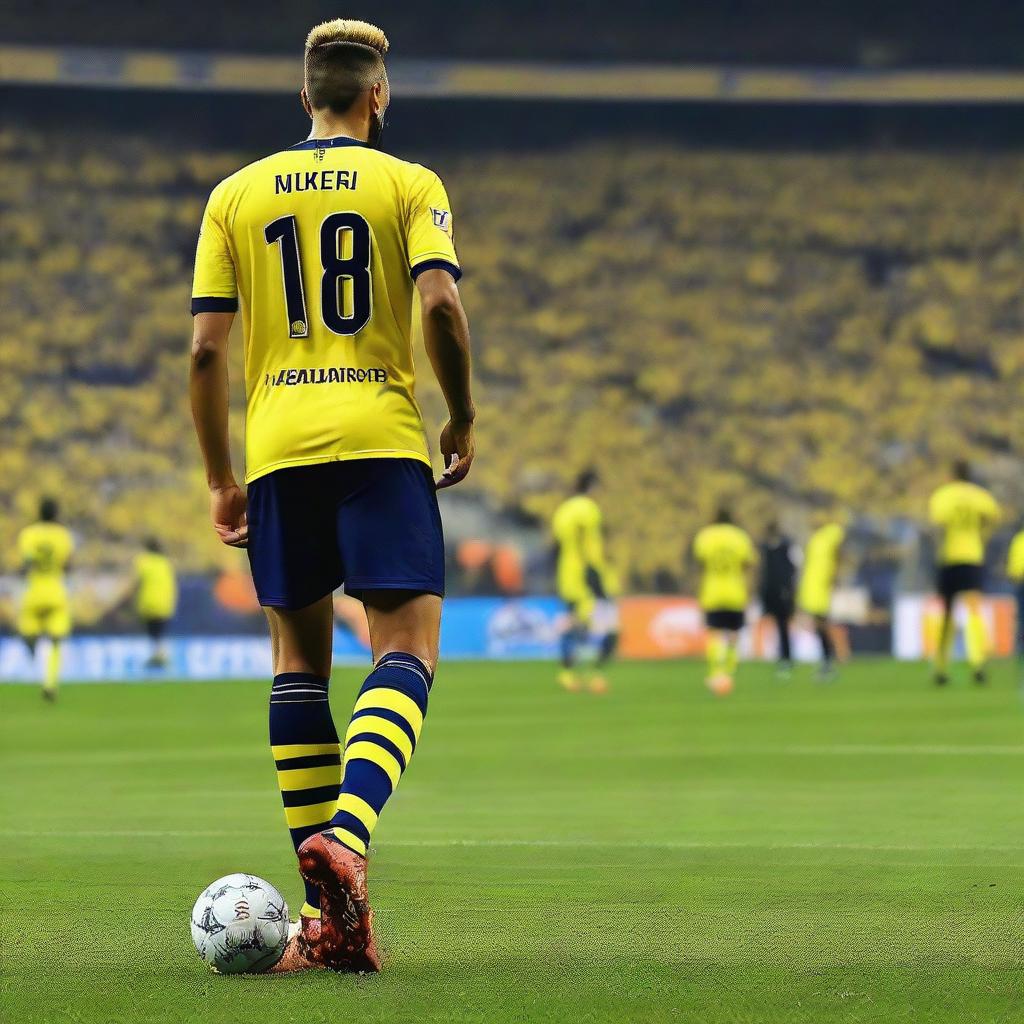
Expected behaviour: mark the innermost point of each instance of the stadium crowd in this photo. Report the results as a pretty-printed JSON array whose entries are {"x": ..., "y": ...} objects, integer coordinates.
[{"x": 788, "y": 332}]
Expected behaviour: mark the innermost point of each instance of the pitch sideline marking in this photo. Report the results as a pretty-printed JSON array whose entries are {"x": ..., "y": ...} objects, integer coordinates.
[
  {"x": 712, "y": 750},
  {"x": 62, "y": 833}
]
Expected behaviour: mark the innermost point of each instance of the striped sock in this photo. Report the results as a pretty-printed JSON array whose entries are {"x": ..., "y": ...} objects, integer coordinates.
[
  {"x": 307, "y": 755},
  {"x": 379, "y": 744}
]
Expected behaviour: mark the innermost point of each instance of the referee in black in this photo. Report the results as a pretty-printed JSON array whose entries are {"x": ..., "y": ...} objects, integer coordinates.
[{"x": 778, "y": 588}]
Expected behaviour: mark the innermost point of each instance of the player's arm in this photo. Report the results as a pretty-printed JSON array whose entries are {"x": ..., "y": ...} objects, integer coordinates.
[
  {"x": 753, "y": 560},
  {"x": 434, "y": 265},
  {"x": 446, "y": 339},
  {"x": 208, "y": 391},
  {"x": 992, "y": 516},
  {"x": 1015, "y": 559},
  {"x": 26, "y": 556},
  {"x": 593, "y": 551},
  {"x": 214, "y": 303}
]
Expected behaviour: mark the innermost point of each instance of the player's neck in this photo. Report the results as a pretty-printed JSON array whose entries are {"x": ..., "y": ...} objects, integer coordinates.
[{"x": 328, "y": 127}]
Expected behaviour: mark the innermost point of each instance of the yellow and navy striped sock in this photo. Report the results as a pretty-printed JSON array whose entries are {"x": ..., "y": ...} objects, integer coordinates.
[
  {"x": 307, "y": 755},
  {"x": 379, "y": 744}
]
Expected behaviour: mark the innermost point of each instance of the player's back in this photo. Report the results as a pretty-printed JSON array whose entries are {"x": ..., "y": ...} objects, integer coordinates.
[
  {"x": 822, "y": 554},
  {"x": 965, "y": 512},
  {"x": 45, "y": 549},
  {"x": 158, "y": 587},
  {"x": 725, "y": 551},
  {"x": 572, "y": 521},
  {"x": 320, "y": 245}
]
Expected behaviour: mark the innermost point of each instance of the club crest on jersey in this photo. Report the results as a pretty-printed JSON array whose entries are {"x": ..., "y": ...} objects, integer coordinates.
[{"x": 442, "y": 219}]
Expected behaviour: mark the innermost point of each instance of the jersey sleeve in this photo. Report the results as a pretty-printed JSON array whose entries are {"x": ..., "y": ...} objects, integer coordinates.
[
  {"x": 429, "y": 234},
  {"x": 698, "y": 546},
  {"x": 214, "y": 286},
  {"x": 937, "y": 509},
  {"x": 1015, "y": 561}
]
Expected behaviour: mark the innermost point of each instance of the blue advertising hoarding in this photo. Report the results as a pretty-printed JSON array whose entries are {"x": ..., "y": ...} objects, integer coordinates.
[{"x": 472, "y": 627}]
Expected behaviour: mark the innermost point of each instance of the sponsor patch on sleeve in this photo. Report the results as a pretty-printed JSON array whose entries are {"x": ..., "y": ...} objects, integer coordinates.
[{"x": 442, "y": 220}]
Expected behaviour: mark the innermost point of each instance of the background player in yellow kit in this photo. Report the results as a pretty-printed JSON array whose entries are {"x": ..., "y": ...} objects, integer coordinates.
[
  {"x": 727, "y": 557},
  {"x": 44, "y": 549},
  {"x": 582, "y": 574},
  {"x": 817, "y": 581},
  {"x": 324, "y": 246},
  {"x": 156, "y": 597},
  {"x": 1015, "y": 571},
  {"x": 965, "y": 515}
]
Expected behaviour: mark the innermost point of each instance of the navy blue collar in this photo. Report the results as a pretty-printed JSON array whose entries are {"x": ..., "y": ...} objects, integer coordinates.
[{"x": 338, "y": 140}]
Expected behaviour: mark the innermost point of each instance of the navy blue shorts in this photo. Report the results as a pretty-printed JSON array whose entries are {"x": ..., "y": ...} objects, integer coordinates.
[
  {"x": 728, "y": 620},
  {"x": 959, "y": 578},
  {"x": 372, "y": 524}
]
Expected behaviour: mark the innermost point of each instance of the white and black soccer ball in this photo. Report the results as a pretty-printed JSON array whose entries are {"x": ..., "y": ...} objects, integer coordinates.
[{"x": 240, "y": 923}]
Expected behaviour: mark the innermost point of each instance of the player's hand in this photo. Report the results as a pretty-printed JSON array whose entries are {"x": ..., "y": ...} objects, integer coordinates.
[
  {"x": 458, "y": 448},
  {"x": 227, "y": 510}
]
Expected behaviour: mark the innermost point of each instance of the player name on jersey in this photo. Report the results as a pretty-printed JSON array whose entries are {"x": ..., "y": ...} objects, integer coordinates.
[
  {"x": 327, "y": 375},
  {"x": 328, "y": 180}
]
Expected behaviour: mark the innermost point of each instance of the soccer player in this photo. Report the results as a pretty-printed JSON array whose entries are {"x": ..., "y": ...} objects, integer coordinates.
[
  {"x": 323, "y": 246},
  {"x": 156, "y": 597},
  {"x": 726, "y": 555},
  {"x": 817, "y": 581},
  {"x": 778, "y": 589},
  {"x": 965, "y": 515},
  {"x": 45, "y": 549},
  {"x": 581, "y": 577},
  {"x": 1015, "y": 571}
]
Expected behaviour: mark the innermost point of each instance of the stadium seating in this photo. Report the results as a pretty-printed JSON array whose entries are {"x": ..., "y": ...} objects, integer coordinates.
[{"x": 789, "y": 331}]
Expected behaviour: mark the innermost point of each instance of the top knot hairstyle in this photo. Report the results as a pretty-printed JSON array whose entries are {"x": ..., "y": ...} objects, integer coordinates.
[{"x": 343, "y": 59}]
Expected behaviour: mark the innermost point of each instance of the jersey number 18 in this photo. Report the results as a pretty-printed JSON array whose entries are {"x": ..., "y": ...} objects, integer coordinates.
[{"x": 338, "y": 316}]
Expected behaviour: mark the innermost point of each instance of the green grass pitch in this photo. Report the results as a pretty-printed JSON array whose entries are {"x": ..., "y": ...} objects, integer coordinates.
[{"x": 795, "y": 853}]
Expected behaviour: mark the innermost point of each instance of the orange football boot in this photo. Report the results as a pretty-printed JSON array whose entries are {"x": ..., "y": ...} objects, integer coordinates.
[{"x": 346, "y": 921}]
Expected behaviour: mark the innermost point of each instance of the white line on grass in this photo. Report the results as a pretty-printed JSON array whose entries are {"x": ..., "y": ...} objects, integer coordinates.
[
  {"x": 715, "y": 750},
  {"x": 683, "y": 844}
]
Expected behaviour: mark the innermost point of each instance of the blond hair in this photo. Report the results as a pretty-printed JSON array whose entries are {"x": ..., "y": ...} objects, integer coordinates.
[{"x": 341, "y": 30}]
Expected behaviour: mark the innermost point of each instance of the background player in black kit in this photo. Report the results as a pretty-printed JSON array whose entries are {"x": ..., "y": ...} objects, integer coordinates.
[{"x": 778, "y": 588}]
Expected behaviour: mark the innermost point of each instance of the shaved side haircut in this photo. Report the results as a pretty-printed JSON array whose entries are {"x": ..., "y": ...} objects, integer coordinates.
[{"x": 343, "y": 60}]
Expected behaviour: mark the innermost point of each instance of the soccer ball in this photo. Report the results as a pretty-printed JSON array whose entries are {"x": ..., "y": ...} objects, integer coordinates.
[
  {"x": 240, "y": 923},
  {"x": 720, "y": 684}
]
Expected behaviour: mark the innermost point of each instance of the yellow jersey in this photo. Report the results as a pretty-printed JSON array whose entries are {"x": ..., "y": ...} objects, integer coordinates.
[
  {"x": 725, "y": 553},
  {"x": 157, "y": 594},
  {"x": 821, "y": 563},
  {"x": 319, "y": 245},
  {"x": 576, "y": 526},
  {"x": 966, "y": 514},
  {"x": 1015, "y": 559},
  {"x": 44, "y": 550}
]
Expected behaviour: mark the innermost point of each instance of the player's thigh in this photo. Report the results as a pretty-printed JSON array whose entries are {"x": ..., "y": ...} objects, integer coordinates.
[
  {"x": 302, "y": 637},
  {"x": 58, "y": 622},
  {"x": 406, "y": 621},
  {"x": 156, "y": 627},
  {"x": 29, "y": 622},
  {"x": 293, "y": 547},
  {"x": 389, "y": 528}
]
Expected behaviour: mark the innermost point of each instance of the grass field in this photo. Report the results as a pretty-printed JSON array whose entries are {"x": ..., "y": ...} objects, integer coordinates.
[{"x": 796, "y": 853}]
